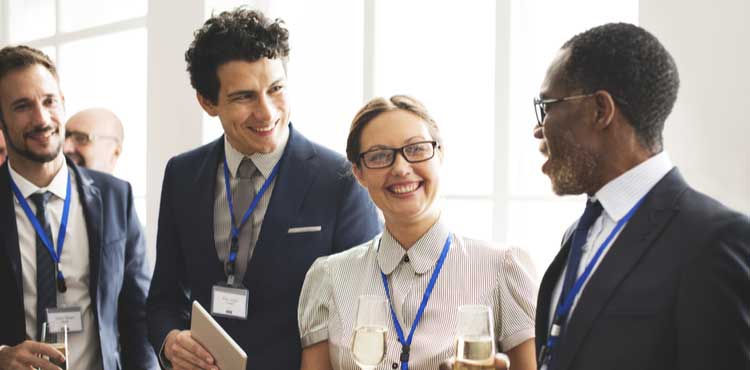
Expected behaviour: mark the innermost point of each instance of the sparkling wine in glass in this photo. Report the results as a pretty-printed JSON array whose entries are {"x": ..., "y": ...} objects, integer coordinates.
[
  {"x": 57, "y": 340},
  {"x": 475, "y": 343},
  {"x": 370, "y": 330}
]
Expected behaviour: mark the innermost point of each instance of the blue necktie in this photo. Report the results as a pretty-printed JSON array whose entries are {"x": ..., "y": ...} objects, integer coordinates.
[
  {"x": 590, "y": 214},
  {"x": 46, "y": 292}
]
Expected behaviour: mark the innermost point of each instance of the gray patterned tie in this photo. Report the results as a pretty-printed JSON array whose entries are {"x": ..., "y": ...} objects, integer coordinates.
[
  {"x": 46, "y": 293},
  {"x": 243, "y": 194}
]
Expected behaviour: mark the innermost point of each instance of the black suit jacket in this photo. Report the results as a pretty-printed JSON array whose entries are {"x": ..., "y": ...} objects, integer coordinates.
[
  {"x": 313, "y": 188},
  {"x": 119, "y": 272},
  {"x": 673, "y": 292}
]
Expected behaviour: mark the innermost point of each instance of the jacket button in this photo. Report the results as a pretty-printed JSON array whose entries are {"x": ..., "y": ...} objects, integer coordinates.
[{"x": 394, "y": 366}]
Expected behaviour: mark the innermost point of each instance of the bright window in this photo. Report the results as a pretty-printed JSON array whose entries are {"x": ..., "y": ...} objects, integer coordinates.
[
  {"x": 449, "y": 55},
  {"x": 98, "y": 72},
  {"x": 101, "y": 67}
]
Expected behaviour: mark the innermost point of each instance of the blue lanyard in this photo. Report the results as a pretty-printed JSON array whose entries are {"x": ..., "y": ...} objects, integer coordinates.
[
  {"x": 234, "y": 227},
  {"x": 406, "y": 343},
  {"x": 43, "y": 234},
  {"x": 564, "y": 305}
]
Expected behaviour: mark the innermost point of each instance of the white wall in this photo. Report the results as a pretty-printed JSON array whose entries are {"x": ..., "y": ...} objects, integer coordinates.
[
  {"x": 174, "y": 116},
  {"x": 707, "y": 134}
]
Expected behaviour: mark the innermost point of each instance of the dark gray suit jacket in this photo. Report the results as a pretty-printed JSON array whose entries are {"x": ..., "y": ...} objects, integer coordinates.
[
  {"x": 673, "y": 292},
  {"x": 117, "y": 263}
]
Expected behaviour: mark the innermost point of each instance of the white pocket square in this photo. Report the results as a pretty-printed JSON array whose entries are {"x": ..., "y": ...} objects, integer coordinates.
[{"x": 304, "y": 229}]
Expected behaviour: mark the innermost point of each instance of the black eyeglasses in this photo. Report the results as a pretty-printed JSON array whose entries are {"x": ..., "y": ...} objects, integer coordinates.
[
  {"x": 413, "y": 153},
  {"x": 540, "y": 105},
  {"x": 82, "y": 138}
]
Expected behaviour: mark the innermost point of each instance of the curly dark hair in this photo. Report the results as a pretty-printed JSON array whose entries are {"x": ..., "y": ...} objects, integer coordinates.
[
  {"x": 634, "y": 67},
  {"x": 240, "y": 34}
]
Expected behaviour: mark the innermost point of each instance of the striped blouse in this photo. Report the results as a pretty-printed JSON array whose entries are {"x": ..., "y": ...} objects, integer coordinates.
[{"x": 474, "y": 272}]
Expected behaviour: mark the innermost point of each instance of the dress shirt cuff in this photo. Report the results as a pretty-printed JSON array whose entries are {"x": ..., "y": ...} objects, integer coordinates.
[
  {"x": 165, "y": 364},
  {"x": 517, "y": 338},
  {"x": 314, "y": 337}
]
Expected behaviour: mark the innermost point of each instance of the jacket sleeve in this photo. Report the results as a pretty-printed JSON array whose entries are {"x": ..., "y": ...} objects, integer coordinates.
[
  {"x": 168, "y": 299},
  {"x": 713, "y": 308},
  {"x": 357, "y": 219},
  {"x": 136, "y": 353}
]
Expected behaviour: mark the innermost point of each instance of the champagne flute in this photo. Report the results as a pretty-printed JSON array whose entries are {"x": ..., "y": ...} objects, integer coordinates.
[
  {"x": 57, "y": 340},
  {"x": 370, "y": 329},
  {"x": 475, "y": 340}
]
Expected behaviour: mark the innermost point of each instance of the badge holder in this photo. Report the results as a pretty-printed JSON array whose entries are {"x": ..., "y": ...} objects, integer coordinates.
[
  {"x": 68, "y": 317},
  {"x": 230, "y": 300}
]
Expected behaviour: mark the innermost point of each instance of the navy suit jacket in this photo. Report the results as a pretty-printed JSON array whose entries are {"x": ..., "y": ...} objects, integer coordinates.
[
  {"x": 119, "y": 272},
  {"x": 313, "y": 188},
  {"x": 673, "y": 292}
]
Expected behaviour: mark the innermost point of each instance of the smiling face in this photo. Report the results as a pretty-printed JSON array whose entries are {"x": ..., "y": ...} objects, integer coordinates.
[
  {"x": 567, "y": 139},
  {"x": 102, "y": 153},
  {"x": 405, "y": 192},
  {"x": 32, "y": 114},
  {"x": 252, "y": 104}
]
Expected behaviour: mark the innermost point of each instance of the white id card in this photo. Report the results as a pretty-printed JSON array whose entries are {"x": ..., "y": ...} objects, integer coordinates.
[
  {"x": 229, "y": 302},
  {"x": 58, "y": 318}
]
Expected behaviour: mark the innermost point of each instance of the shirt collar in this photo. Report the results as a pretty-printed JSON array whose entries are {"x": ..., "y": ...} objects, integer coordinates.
[
  {"x": 621, "y": 194},
  {"x": 422, "y": 255},
  {"x": 264, "y": 162},
  {"x": 57, "y": 187}
]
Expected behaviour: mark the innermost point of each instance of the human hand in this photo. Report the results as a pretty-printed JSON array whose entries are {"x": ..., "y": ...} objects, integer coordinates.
[
  {"x": 28, "y": 354},
  {"x": 502, "y": 362},
  {"x": 185, "y": 353}
]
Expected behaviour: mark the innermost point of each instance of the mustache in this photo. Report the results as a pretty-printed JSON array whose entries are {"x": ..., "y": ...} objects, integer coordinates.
[{"x": 40, "y": 130}]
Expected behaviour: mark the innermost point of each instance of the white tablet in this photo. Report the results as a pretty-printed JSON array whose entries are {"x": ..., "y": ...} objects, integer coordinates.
[{"x": 205, "y": 330}]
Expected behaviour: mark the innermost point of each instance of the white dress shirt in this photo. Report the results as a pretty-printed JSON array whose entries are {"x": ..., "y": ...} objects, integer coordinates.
[
  {"x": 617, "y": 197},
  {"x": 84, "y": 348}
]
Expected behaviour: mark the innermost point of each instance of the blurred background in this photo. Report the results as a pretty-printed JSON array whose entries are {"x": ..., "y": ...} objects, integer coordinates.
[{"x": 475, "y": 64}]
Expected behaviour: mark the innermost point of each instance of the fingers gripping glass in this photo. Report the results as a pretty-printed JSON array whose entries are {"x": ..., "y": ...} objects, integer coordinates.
[
  {"x": 540, "y": 105},
  {"x": 82, "y": 138},
  {"x": 413, "y": 153}
]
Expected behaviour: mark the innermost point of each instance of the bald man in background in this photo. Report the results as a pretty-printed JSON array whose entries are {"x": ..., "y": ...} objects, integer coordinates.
[{"x": 93, "y": 139}]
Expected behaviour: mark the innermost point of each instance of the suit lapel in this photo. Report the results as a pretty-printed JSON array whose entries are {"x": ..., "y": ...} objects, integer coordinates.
[
  {"x": 549, "y": 280},
  {"x": 91, "y": 201},
  {"x": 296, "y": 174},
  {"x": 635, "y": 239},
  {"x": 9, "y": 238},
  {"x": 204, "y": 192}
]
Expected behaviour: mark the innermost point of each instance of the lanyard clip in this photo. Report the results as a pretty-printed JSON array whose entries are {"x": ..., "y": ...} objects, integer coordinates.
[
  {"x": 230, "y": 280},
  {"x": 404, "y": 353}
]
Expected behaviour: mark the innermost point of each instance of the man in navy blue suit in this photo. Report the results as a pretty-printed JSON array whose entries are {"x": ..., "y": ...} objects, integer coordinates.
[
  {"x": 70, "y": 241},
  {"x": 243, "y": 218},
  {"x": 654, "y": 275}
]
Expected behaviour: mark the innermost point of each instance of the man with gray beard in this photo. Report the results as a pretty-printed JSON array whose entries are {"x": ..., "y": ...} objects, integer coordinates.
[{"x": 654, "y": 275}]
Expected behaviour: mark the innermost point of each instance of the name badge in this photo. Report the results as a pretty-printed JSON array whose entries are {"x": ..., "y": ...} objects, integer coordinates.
[
  {"x": 58, "y": 318},
  {"x": 229, "y": 302}
]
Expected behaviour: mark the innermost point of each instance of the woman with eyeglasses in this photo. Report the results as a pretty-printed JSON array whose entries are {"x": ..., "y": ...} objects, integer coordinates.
[{"x": 420, "y": 265}]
